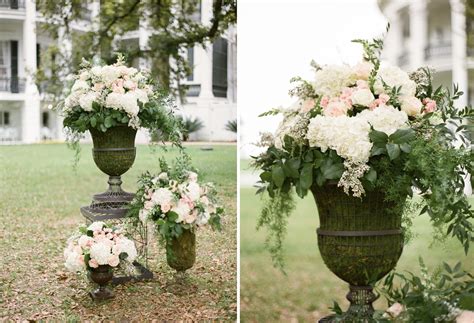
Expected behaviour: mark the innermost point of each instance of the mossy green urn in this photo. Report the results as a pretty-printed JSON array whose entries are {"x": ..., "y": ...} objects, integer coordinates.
[
  {"x": 360, "y": 240},
  {"x": 181, "y": 251},
  {"x": 114, "y": 154}
]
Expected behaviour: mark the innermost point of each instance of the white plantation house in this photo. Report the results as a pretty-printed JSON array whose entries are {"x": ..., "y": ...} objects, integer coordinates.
[
  {"x": 431, "y": 33},
  {"x": 24, "y": 113}
]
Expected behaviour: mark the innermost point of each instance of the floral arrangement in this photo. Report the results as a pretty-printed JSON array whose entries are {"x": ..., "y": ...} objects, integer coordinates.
[
  {"x": 366, "y": 127},
  {"x": 174, "y": 200},
  {"x": 106, "y": 96},
  {"x": 444, "y": 295},
  {"x": 96, "y": 245}
]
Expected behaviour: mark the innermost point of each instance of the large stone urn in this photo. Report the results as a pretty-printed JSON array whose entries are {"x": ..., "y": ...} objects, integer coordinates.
[
  {"x": 114, "y": 153},
  {"x": 360, "y": 241},
  {"x": 181, "y": 251}
]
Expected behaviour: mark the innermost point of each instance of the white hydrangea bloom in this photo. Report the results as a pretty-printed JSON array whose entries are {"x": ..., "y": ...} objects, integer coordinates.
[
  {"x": 86, "y": 100},
  {"x": 74, "y": 261},
  {"x": 110, "y": 73},
  {"x": 80, "y": 85},
  {"x": 385, "y": 118},
  {"x": 349, "y": 137},
  {"x": 182, "y": 209},
  {"x": 331, "y": 79},
  {"x": 114, "y": 100},
  {"x": 162, "y": 196},
  {"x": 203, "y": 218},
  {"x": 129, "y": 103},
  {"x": 101, "y": 251},
  {"x": 125, "y": 245},
  {"x": 141, "y": 95},
  {"x": 394, "y": 76}
]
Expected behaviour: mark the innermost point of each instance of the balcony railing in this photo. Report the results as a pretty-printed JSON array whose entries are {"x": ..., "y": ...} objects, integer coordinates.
[
  {"x": 437, "y": 51},
  {"x": 12, "y": 4},
  {"x": 13, "y": 84}
]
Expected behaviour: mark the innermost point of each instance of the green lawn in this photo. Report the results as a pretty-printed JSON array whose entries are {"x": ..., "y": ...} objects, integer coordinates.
[
  {"x": 310, "y": 288},
  {"x": 40, "y": 197}
]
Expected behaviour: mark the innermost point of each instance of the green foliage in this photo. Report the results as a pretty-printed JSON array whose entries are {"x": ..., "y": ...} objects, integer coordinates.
[
  {"x": 231, "y": 125},
  {"x": 174, "y": 24},
  {"x": 438, "y": 296}
]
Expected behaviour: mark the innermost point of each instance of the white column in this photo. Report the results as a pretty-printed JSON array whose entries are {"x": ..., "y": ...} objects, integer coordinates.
[
  {"x": 204, "y": 56},
  {"x": 231, "y": 65},
  {"x": 459, "y": 61},
  {"x": 30, "y": 116},
  {"x": 394, "y": 46},
  {"x": 144, "y": 34},
  {"x": 95, "y": 24},
  {"x": 418, "y": 32},
  {"x": 65, "y": 46}
]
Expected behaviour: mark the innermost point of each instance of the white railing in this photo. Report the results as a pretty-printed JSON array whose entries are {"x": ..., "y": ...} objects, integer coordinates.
[{"x": 8, "y": 134}]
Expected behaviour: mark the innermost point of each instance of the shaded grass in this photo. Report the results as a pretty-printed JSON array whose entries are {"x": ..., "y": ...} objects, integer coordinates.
[
  {"x": 309, "y": 289},
  {"x": 40, "y": 197}
]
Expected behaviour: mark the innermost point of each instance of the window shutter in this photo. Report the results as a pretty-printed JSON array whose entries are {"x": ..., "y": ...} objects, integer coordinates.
[
  {"x": 219, "y": 68},
  {"x": 14, "y": 63}
]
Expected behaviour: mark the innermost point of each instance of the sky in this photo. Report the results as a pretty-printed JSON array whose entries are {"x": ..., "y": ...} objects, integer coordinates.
[{"x": 277, "y": 39}]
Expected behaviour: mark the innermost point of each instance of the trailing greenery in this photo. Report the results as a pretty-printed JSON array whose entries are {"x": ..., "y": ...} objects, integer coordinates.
[{"x": 439, "y": 296}]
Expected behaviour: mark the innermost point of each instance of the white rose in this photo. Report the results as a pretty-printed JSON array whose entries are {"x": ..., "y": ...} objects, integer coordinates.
[
  {"x": 193, "y": 191},
  {"x": 162, "y": 196},
  {"x": 362, "y": 97},
  {"x": 465, "y": 317},
  {"x": 98, "y": 225},
  {"x": 362, "y": 70},
  {"x": 80, "y": 85},
  {"x": 84, "y": 76},
  {"x": 163, "y": 176},
  {"x": 86, "y": 100},
  {"x": 395, "y": 310},
  {"x": 192, "y": 176},
  {"x": 411, "y": 105}
]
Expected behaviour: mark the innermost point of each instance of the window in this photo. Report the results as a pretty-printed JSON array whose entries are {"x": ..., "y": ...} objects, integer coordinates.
[
  {"x": 45, "y": 119},
  {"x": 4, "y": 59},
  {"x": 4, "y": 118},
  {"x": 191, "y": 63},
  {"x": 219, "y": 68}
]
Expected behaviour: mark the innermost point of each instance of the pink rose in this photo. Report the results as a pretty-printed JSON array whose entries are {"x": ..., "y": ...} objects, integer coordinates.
[
  {"x": 148, "y": 205},
  {"x": 130, "y": 85},
  {"x": 335, "y": 108},
  {"x": 430, "y": 105},
  {"x": 324, "y": 101},
  {"x": 98, "y": 87},
  {"x": 188, "y": 201},
  {"x": 384, "y": 98},
  {"x": 113, "y": 260},
  {"x": 93, "y": 263},
  {"x": 361, "y": 84},
  {"x": 307, "y": 105},
  {"x": 81, "y": 259},
  {"x": 204, "y": 200},
  {"x": 117, "y": 86},
  {"x": 165, "y": 208}
]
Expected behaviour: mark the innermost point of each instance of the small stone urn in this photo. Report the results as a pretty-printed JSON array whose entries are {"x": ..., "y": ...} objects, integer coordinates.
[
  {"x": 101, "y": 275},
  {"x": 181, "y": 251}
]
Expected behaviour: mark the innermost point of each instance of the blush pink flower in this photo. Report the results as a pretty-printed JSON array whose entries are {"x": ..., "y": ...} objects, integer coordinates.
[
  {"x": 430, "y": 105},
  {"x": 324, "y": 101},
  {"x": 188, "y": 201},
  {"x": 93, "y": 263},
  {"x": 361, "y": 84},
  {"x": 307, "y": 105},
  {"x": 113, "y": 260},
  {"x": 117, "y": 86},
  {"x": 336, "y": 108},
  {"x": 165, "y": 208},
  {"x": 98, "y": 86}
]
